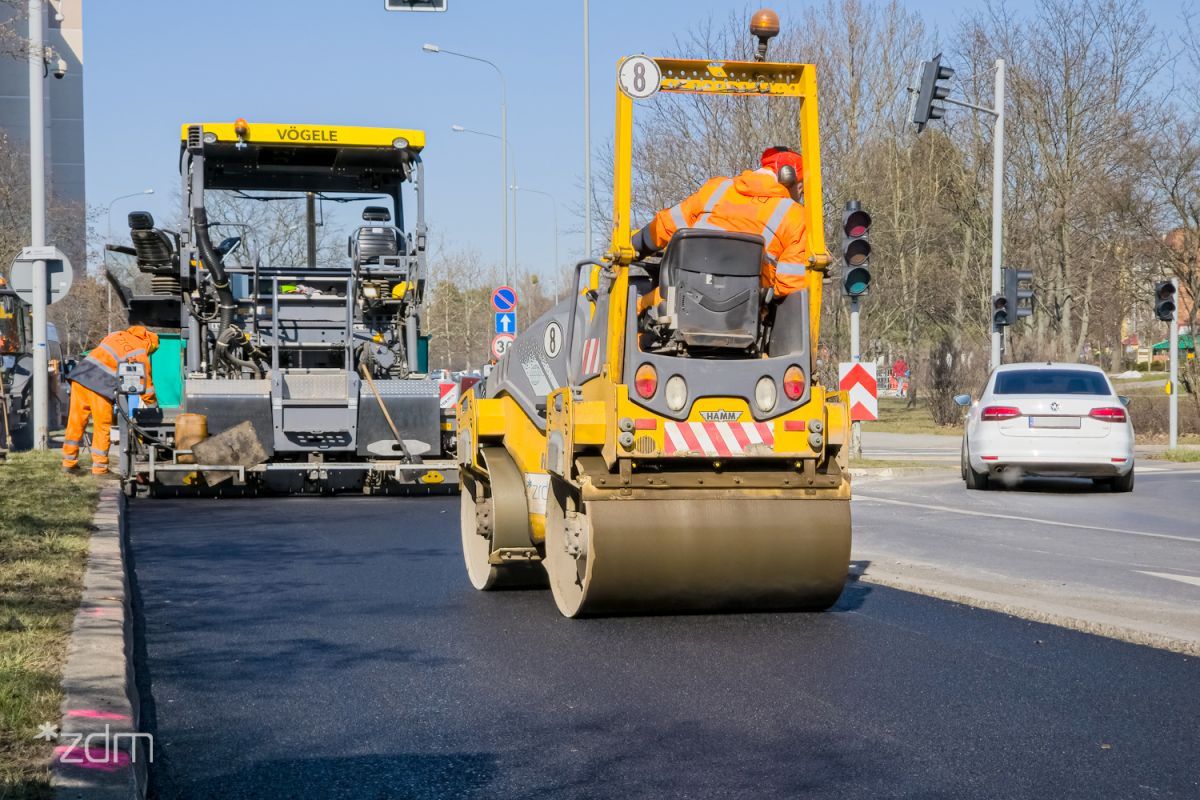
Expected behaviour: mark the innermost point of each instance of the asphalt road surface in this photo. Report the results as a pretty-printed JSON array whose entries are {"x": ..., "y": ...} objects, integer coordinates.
[
  {"x": 1125, "y": 564},
  {"x": 332, "y": 648}
]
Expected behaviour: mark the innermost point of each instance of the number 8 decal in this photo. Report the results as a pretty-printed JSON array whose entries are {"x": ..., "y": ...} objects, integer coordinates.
[{"x": 639, "y": 77}]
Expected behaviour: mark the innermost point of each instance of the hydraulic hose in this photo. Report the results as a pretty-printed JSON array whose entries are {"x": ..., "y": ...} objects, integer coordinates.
[{"x": 226, "y": 304}]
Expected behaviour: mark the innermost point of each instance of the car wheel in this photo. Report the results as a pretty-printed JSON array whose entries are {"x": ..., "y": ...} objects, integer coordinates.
[
  {"x": 974, "y": 480},
  {"x": 1123, "y": 483}
]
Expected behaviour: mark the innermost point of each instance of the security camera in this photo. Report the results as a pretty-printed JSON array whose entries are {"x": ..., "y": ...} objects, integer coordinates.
[{"x": 60, "y": 68}]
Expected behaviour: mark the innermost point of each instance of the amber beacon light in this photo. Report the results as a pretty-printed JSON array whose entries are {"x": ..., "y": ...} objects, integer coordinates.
[{"x": 764, "y": 26}]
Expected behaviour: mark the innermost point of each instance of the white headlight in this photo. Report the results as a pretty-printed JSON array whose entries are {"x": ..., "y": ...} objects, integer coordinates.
[
  {"x": 210, "y": 137},
  {"x": 676, "y": 393},
  {"x": 399, "y": 143},
  {"x": 765, "y": 393}
]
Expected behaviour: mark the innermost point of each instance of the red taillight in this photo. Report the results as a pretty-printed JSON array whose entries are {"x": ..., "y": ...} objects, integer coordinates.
[
  {"x": 996, "y": 413},
  {"x": 1112, "y": 414},
  {"x": 645, "y": 380},
  {"x": 793, "y": 383}
]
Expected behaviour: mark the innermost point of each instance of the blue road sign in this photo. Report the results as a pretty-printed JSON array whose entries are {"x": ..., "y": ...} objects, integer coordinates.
[
  {"x": 506, "y": 322},
  {"x": 504, "y": 298}
]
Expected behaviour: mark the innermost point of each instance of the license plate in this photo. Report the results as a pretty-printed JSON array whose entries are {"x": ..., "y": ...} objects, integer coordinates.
[{"x": 1054, "y": 422}]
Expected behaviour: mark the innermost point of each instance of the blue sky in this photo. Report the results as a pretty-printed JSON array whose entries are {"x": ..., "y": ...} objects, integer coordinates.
[{"x": 151, "y": 65}]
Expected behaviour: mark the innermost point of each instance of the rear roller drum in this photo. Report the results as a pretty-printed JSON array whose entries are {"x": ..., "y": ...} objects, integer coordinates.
[
  {"x": 491, "y": 514},
  {"x": 693, "y": 553}
]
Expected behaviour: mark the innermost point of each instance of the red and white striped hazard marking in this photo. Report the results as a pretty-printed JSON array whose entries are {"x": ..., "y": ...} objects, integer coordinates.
[
  {"x": 448, "y": 394},
  {"x": 593, "y": 354},
  {"x": 859, "y": 380},
  {"x": 716, "y": 438}
]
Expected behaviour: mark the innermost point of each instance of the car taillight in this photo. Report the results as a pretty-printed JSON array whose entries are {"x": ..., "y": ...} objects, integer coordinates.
[
  {"x": 1112, "y": 414},
  {"x": 645, "y": 380},
  {"x": 793, "y": 382},
  {"x": 996, "y": 413}
]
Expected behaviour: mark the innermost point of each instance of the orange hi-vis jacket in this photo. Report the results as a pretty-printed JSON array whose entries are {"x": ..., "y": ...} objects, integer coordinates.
[
  {"x": 98, "y": 371},
  {"x": 753, "y": 202}
]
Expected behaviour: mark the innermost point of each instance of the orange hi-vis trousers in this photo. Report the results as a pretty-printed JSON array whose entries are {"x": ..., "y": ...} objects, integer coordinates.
[{"x": 87, "y": 403}]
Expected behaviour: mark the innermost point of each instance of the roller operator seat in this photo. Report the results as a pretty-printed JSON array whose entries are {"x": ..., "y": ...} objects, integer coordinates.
[{"x": 711, "y": 279}]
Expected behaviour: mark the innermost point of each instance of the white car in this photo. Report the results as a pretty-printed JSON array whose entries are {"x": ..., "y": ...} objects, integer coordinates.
[{"x": 1051, "y": 420}]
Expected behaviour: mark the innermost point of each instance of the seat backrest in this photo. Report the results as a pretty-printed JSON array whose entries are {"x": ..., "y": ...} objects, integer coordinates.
[
  {"x": 711, "y": 281},
  {"x": 373, "y": 242},
  {"x": 154, "y": 247}
]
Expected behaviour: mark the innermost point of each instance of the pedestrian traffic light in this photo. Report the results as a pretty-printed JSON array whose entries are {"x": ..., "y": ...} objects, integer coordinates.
[
  {"x": 856, "y": 250},
  {"x": 1164, "y": 300},
  {"x": 1019, "y": 301},
  {"x": 930, "y": 91},
  {"x": 999, "y": 312}
]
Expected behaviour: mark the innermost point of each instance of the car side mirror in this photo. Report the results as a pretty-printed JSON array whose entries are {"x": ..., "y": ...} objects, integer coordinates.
[
  {"x": 962, "y": 399},
  {"x": 1124, "y": 398}
]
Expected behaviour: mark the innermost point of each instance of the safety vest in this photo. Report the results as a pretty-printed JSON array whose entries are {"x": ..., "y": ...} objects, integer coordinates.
[
  {"x": 98, "y": 371},
  {"x": 753, "y": 202}
]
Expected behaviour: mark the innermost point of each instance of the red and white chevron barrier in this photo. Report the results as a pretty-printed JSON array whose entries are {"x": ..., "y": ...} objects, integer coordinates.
[
  {"x": 716, "y": 438},
  {"x": 859, "y": 380},
  {"x": 448, "y": 394}
]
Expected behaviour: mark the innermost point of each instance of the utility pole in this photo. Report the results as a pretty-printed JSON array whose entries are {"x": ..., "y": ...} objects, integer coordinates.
[
  {"x": 37, "y": 222},
  {"x": 587, "y": 139}
]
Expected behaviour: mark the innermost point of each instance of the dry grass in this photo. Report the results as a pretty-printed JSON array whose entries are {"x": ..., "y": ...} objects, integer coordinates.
[
  {"x": 45, "y": 517},
  {"x": 1189, "y": 455},
  {"x": 896, "y": 417}
]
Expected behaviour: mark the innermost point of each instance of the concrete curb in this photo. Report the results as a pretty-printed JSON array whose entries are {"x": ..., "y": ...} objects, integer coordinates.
[{"x": 99, "y": 754}]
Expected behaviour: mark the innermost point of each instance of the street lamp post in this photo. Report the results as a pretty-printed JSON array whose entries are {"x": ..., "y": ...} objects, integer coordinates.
[
  {"x": 507, "y": 187},
  {"x": 37, "y": 222},
  {"x": 554, "y": 209},
  {"x": 433, "y": 48},
  {"x": 108, "y": 240},
  {"x": 587, "y": 137}
]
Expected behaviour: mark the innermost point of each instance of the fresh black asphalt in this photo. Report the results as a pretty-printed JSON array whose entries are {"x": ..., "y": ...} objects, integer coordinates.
[{"x": 332, "y": 648}]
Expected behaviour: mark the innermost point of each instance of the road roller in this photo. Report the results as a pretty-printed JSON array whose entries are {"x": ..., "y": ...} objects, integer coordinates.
[{"x": 676, "y": 455}]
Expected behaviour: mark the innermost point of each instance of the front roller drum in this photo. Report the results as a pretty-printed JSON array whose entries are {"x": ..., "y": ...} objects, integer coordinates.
[
  {"x": 494, "y": 517},
  {"x": 649, "y": 556}
]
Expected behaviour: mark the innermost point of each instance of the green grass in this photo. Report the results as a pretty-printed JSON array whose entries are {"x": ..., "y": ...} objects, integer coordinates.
[
  {"x": 896, "y": 417},
  {"x": 1179, "y": 454},
  {"x": 45, "y": 517}
]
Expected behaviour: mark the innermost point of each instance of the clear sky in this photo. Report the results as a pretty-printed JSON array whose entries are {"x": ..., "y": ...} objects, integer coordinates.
[{"x": 151, "y": 65}]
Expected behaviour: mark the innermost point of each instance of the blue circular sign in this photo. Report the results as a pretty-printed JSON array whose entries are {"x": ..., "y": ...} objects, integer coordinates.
[{"x": 504, "y": 298}]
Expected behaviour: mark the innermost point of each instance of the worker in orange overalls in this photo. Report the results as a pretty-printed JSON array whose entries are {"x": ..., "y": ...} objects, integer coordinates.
[
  {"x": 766, "y": 201},
  {"x": 94, "y": 387}
]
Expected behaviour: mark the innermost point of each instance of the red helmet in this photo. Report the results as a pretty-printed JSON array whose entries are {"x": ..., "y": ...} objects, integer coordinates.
[{"x": 779, "y": 156}]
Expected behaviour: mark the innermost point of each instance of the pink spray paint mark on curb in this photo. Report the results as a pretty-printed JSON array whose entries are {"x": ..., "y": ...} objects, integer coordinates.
[
  {"x": 98, "y": 758},
  {"x": 91, "y": 713},
  {"x": 98, "y": 611}
]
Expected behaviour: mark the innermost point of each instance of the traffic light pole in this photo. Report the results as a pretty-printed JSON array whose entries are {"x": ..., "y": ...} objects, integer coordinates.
[
  {"x": 855, "y": 356},
  {"x": 37, "y": 223},
  {"x": 998, "y": 206},
  {"x": 1173, "y": 380}
]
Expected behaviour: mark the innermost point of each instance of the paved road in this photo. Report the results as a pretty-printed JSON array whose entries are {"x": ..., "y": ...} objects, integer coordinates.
[
  {"x": 331, "y": 648},
  {"x": 1059, "y": 547}
]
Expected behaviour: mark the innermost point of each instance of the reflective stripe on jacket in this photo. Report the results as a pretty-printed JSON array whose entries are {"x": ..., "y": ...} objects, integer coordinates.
[
  {"x": 753, "y": 202},
  {"x": 98, "y": 371}
]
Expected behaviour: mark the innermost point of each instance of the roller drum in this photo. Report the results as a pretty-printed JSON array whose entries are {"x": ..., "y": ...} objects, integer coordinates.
[{"x": 647, "y": 556}]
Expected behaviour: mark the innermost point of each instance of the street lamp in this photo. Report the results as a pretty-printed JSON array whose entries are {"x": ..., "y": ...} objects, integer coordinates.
[
  {"x": 554, "y": 210},
  {"x": 507, "y": 187},
  {"x": 433, "y": 48},
  {"x": 108, "y": 240}
]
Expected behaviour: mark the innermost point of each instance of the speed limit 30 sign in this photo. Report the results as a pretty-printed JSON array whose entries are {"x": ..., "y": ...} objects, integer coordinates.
[{"x": 500, "y": 344}]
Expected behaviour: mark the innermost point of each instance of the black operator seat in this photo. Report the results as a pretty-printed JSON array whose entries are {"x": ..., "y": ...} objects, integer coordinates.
[
  {"x": 711, "y": 281},
  {"x": 376, "y": 240},
  {"x": 154, "y": 247}
]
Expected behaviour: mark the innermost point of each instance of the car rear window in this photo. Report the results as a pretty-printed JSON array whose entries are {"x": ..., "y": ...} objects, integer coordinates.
[{"x": 1050, "y": 381}]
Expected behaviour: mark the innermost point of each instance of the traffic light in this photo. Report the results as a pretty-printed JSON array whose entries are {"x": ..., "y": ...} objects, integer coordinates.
[
  {"x": 1164, "y": 300},
  {"x": 930, "y": 91},
  {"x": 1015, "y": 296},
  {"x": 856, "y": 250},
  {"x": 999, "y": 312}
]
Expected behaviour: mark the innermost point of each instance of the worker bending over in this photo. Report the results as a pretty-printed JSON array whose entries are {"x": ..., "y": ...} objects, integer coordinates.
[
  {"x": 765, "y": 201},
  {"x": 94, "y": 388}
]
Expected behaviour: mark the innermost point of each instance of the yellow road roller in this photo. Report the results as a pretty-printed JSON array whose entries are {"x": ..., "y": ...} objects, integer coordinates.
[{"x": 657, "y": 442}]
